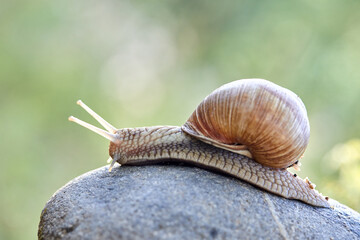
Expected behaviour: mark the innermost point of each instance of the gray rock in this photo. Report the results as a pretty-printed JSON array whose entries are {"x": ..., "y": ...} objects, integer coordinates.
[{"x": 184, "y": 202}]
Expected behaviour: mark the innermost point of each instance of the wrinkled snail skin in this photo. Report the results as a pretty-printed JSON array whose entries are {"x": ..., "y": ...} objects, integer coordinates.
[
  {"x": 251, "y": 129},
  {"x": 149, "y": 145}
]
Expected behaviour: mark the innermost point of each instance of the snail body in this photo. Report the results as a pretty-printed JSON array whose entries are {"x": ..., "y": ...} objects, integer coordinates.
[{"x": 251, "y": 129}]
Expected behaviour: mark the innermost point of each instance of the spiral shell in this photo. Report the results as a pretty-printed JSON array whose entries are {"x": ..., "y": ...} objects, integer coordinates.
[{"x": 255, "y": 115}]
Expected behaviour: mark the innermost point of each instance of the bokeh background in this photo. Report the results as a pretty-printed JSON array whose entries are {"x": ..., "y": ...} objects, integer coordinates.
[{"x": 144, "y": 63}]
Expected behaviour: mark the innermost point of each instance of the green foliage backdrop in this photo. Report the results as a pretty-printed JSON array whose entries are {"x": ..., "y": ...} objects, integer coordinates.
[{"x": 143, "y": 63}]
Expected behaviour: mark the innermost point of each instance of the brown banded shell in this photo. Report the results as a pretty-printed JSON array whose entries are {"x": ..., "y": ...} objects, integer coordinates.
[{"x": 254, "y": 114}]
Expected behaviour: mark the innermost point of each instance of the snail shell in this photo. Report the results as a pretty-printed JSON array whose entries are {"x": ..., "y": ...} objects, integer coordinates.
[{"x": 255, "y": 115}]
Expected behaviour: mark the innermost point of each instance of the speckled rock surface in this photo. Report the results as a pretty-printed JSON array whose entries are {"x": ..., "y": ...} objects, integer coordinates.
[{"x": 184, "y": 202}]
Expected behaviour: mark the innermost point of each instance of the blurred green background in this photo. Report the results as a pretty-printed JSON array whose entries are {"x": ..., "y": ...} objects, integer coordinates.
[{"x": 145, "y": 63}]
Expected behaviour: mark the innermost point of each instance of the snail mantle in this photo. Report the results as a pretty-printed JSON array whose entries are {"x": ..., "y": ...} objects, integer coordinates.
[{"x": 184, "y": 202}]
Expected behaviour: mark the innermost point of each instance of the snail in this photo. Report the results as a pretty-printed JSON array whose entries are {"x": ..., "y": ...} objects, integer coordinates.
[{"x": 251, "y": 129}]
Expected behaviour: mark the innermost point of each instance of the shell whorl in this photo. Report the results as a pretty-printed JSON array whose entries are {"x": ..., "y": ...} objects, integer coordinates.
[{"x": 255, "y": 114}]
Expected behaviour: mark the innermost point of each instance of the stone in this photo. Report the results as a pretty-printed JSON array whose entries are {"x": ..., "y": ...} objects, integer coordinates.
[{"x": 184, "y": 202}]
